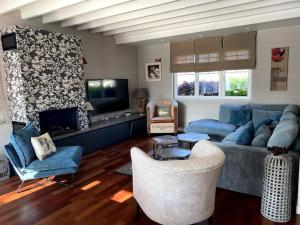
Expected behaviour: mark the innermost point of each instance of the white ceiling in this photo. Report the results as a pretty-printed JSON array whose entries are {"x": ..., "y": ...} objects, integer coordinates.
[{"x": 135, "y": 21}]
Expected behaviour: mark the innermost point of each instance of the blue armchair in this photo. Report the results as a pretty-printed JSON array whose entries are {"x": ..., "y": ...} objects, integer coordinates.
[{"x": 20, "y": 153}]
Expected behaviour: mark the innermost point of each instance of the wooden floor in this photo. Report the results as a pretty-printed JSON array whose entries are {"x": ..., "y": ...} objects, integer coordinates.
[{"x": 102, "y": 197}]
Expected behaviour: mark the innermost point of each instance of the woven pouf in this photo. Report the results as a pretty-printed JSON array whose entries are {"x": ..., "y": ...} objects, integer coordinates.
[
  {"x": 277, "y": 188},
  {"x": 4, "y": 168}
]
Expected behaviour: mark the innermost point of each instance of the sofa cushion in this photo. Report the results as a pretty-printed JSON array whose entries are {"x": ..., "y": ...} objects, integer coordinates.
[
  {"x": 262, "y": 136},
  {"x": 162, "y": 119},
  {"x": 21, "y": 141},
  {"x": 291, "y": 109},
  {"x": 259, "y": 116},
  {"x": 242, "y": 136},
  {"x": 288, "y": 116},
  {"x": 64, "y": 157},
  {"x": 225, "y": 111},
  {"x": 240, "y": 116},
  {"x": 284, "y": 134},
  {"x": 210, "y": 127}
]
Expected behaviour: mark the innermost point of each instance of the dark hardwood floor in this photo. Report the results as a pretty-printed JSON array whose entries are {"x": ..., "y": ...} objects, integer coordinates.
[{"x": 102, "y": 197}]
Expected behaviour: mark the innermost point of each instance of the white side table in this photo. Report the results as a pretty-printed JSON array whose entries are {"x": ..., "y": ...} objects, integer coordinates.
[{"x": 276, "y": 203}]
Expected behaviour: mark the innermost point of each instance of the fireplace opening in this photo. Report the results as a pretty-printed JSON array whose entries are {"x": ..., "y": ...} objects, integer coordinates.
[{"x": 60, "y": 121}]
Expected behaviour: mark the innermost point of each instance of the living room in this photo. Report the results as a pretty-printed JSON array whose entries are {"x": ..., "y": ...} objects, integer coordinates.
[{"x": 195, "y": 77}]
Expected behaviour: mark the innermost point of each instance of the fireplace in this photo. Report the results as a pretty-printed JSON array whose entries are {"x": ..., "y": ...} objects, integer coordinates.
[{"x": 60, "y": 121}]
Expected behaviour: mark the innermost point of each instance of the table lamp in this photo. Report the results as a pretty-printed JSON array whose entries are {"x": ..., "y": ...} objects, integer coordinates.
[{"x": 141, "y": 95}]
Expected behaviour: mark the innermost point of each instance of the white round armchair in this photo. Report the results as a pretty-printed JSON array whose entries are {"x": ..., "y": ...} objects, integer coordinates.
[{"x": 177, "y": 192}]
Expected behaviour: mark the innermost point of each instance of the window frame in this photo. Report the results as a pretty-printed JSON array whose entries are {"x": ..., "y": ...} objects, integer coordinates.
[{"x": 222, "y": 83}]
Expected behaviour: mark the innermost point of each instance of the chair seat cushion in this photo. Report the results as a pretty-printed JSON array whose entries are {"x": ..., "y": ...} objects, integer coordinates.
[
  {"x": 64, "y": 158},
  {"x": 162, "y": 119},
  {"x": 210, "y": 127}
]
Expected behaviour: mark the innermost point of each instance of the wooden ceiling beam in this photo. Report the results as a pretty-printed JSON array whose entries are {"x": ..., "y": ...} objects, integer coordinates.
[{"x": 218, "y": 25}]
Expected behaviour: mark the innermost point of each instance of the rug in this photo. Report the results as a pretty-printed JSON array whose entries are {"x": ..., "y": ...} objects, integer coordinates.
[{"x": 125, "y": 170}]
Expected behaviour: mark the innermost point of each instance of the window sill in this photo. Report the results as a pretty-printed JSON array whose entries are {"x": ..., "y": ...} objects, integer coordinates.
[{"x": 214, "y": 98}]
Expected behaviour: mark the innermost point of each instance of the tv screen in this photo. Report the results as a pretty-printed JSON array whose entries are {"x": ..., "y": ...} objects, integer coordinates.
[{"x": 107, "y": 95}]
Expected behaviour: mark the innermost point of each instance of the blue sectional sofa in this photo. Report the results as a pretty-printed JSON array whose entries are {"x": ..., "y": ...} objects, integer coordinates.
[{"x": 244, "y": 163}]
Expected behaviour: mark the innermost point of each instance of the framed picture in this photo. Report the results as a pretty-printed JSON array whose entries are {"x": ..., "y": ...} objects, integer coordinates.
[
  {"x": 279, "y": 68},
  {"x": 153, "y": 71}
]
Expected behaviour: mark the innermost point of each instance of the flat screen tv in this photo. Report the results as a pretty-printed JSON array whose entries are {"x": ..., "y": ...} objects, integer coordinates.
[{"x": 108, "y": 95}]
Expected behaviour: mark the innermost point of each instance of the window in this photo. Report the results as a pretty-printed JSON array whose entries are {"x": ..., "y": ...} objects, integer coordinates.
[
  {"x": 209, "y": 83},
  {"x": 236, "y": 82},
  {"x": 218, "y": 84},
  {"x": 185, "y": 84}
]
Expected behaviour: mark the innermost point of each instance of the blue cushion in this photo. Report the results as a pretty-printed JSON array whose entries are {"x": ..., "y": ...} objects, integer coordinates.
[
  {"x": 288, "y": 116},
  {"x": 262, "y": 137},
  {"x": 284, "y": 134},
  {"x": 259, "y": 116},
  {"x": 291, "y": 109},
  {"x": 240, "y": 115},
  {"x": 21, "y": 141},
  {"x": 225, "y": 111},
  {"x": 210, "y": 127},
  {"x": 242, "y": 136},
  {"x": 63, "y": 158}
]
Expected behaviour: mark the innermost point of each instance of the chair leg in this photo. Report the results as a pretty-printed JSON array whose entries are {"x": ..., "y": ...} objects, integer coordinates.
[
  {"x": 138, "y": 211},
  {"x": 20, "y": 186},
  {"x": 67, "y": 185},
  {"x": 19, "y": 190}
]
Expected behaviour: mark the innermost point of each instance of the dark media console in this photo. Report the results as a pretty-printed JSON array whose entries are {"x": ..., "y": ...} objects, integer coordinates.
[{"x": 104, "y": 133}]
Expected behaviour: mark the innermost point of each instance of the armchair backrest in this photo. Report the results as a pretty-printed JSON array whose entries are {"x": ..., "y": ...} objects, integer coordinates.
[
  {"x": 13, "y": 159},
  {"x": 177, "y": 191},
  {"x": 152, "y": 107}
]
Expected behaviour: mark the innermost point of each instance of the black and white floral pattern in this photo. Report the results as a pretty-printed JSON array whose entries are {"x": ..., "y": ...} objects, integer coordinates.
[{"x": 44, "y": 73}]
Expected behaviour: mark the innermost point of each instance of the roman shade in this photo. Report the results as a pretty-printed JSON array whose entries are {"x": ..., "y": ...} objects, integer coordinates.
[
  {"x": 182, "y": 57},
  {"x": 236, "y": 51},
  {"x": 239, "y": 51},
  {"x": 208, "y": 53}
]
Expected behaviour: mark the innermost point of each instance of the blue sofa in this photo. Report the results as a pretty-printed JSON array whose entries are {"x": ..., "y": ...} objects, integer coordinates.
[
  {"x": 244, "y": 163},
  {"x": 65, "y": 160}
]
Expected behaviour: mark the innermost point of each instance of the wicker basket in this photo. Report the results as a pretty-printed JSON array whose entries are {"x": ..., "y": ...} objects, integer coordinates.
[
  {"x": 4, "y": 168},
  {"x": 277, "y": 188}
]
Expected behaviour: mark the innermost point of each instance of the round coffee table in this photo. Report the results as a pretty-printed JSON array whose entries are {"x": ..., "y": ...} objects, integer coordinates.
[
  {"x": 164, "y": 141},
  {"x": 172, "y": 153},
  {"x": 191, "y": 138}
]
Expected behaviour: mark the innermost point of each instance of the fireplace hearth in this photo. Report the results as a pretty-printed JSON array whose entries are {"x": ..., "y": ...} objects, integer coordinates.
[{"x": 60, "y": 121}]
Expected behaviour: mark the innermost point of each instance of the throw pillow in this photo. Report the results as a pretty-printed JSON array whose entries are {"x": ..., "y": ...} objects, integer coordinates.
[
  {"x": 262, "y": 115},
  {"x": 262, "y": 136},
  {"x": 288, "y": 116},
  {"x": 43, "y": 146},
  {"x": 240, "y": 116},
  {"x": 164, "y": 111},
  {"x": 242, "y": 136},
  {"x": 291, "y": 109},
  {"x": 284, "y": 134},
  {"x": 21, "y": 141}
]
